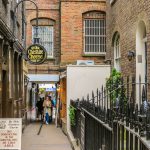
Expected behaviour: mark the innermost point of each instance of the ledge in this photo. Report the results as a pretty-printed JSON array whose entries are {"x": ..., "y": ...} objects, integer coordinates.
[
  {"x": 93, "y": 55},
  {"x": 19, "y": 100},
  {"x": 73, "y": 141},
  {"x": 48, "y": 59}
]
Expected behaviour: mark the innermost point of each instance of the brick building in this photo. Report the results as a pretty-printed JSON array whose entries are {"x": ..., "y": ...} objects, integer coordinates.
[
  {"x": 12, "y": 44},
  {"x": 48, "y": 32},
  {"x": 128, "y": 29},
  {"x": 65, "y": 20},
  {"x": 78, "y": 18},
  {"x": 83, "y": 37},
  {"x": 70, "y": 30}
]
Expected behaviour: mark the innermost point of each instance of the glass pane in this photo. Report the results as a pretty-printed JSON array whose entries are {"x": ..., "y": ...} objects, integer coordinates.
[
  {"x": 95, "y": 32},
  {"x": 45, "y": 34}
]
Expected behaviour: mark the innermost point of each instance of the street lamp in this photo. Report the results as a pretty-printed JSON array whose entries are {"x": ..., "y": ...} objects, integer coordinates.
[{"x": 36, "y": 39}]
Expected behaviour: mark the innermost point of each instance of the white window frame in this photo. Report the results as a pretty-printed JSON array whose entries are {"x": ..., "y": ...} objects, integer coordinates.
[
  {"x": 51, "y": 38},
  {"x": 100, "y": 51},
  {"x": 117, "y": 54}
]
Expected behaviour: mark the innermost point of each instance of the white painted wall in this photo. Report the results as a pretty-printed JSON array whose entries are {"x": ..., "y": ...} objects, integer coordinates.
[{"x": 81, "y": 80}]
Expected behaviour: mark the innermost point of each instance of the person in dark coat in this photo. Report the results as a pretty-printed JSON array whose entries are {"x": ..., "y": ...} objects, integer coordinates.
[{"x": 39, "y": 105}]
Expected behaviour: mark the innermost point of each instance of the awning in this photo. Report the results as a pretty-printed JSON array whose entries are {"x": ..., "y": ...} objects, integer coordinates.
[{"x": 43, "y": 78}]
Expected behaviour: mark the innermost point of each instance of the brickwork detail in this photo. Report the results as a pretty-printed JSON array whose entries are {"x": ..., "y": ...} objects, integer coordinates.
[
  {"x": 72, "y": 29},
  {"x": 49, "y": 10},
  {"x": 124, "y": 16}
]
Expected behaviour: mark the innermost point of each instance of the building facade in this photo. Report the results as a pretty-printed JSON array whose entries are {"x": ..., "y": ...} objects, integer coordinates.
[
  {"x": 70, "y": 31},
  {"x": 11, "y": 56},
  {"x": 128, "y": 43},
  {"x": 64, "y": 30},
  {"x": 83, "y": 35},
  {"x": 48, "y": 32},
  {"x": 83, "y": 38}
]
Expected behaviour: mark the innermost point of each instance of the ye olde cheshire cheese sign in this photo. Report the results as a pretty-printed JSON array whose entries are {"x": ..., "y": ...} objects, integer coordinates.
[
  {"x": 36, "y": 54},
  {"x": 10, "y": 133}
]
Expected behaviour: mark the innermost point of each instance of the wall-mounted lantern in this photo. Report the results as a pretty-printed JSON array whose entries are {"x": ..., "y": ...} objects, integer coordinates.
[
  {"x": 26, "y": 81},
  {"x": 131, "y": 55}
]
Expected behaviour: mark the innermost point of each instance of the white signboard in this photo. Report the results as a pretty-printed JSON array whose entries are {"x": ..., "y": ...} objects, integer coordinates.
[{"x": 10, "y": 133}]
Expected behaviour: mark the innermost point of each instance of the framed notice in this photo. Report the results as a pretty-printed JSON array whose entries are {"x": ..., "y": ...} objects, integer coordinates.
[{"x": 10, "y": 133}]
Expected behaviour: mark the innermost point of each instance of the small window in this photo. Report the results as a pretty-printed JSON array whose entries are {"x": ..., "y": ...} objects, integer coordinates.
[
  {"x": 117, "y": 55},
  {"x": 45, "y": 33},
  {"x": 95, "y": 34}
]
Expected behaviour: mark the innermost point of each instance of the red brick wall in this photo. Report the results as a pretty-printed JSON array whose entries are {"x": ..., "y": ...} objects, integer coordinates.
[
  {"x": 123, "y": 16},
  {"x": 47, "y": 9},
  {"x": 72, "y": 29},
  {"x": 71, "y": 26}
]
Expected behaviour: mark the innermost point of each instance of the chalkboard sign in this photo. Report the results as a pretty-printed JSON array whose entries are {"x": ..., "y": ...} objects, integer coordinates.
[{"x": 82, "y": 131}]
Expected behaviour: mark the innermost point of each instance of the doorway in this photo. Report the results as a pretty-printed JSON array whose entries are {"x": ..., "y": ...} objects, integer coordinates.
[
  {"x": 4, "y": 94},
  {"x": 141, "y": 61}
]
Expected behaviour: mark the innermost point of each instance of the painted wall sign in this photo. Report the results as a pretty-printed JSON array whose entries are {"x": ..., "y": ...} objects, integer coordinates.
[
  {"x": 36, "y": 54},
  {"x": 10, "y": 133}
]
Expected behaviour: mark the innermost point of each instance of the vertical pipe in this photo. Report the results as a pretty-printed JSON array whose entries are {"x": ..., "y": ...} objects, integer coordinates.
[
  {"x": 37, "y": 11},
  {"x": 139, "y": 91}
]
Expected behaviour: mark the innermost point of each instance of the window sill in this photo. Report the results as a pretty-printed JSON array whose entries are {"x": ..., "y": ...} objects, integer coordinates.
[
  {"x": 112, "y": 2},
  {"x": 50, "y": 59},
  {"x": 93, "y": 55}
]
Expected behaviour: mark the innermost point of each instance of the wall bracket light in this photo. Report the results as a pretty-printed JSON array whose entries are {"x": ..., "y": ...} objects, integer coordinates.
[{"x": 130, "y": 55}]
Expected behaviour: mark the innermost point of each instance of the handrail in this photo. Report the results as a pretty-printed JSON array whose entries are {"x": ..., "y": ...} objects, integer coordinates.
[
  {"x": 143, "y": 140},
  {"x": 19, "y": 100}
]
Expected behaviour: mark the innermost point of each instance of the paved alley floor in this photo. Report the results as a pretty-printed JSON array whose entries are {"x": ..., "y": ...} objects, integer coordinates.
[{"x": 50, "y": 138}]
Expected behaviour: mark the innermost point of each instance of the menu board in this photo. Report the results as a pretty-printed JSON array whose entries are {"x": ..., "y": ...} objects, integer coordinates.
[{"x": 10, "y": 133}]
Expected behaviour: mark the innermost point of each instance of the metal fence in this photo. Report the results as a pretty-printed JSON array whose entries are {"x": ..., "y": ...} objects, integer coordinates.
[{"x": 115, "y": 118}]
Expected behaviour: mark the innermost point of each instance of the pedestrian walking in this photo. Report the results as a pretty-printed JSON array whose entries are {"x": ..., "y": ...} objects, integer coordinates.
[
  {"x": 39, "y": 105},
  {"x": 47, "y": 104}
]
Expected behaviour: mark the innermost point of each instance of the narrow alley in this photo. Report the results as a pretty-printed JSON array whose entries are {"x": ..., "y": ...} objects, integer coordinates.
[
  {"x": 74, "y": 74},
  {"x": 50, "y": 138}
]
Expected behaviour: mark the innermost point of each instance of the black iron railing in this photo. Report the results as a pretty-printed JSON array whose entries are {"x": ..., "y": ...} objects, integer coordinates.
[{"x": 116, "y": 118}]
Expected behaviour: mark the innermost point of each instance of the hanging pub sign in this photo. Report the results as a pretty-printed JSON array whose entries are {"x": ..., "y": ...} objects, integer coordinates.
[{"x": 36, "y": 54}]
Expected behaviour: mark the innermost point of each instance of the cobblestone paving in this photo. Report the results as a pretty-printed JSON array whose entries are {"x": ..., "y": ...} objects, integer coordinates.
[{"x": 50, "y": 138}]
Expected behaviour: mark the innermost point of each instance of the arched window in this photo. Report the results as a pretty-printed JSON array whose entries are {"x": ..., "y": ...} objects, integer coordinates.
[
  {"x": 117, "y": 54},
  {"x": 94, "y": 32},
  {"x": 45, "y": 33}
]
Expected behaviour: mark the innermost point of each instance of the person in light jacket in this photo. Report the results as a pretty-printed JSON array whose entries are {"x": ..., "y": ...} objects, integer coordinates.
[{"x": 47, "y": 104}]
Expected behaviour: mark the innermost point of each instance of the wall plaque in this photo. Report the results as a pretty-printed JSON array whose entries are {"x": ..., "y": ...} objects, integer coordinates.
[
  {"x": 10, "y": 133},
  {"x": 139, "y": 58}
]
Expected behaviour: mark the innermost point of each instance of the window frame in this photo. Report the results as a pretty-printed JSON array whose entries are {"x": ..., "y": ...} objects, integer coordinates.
[
  {"x": 117, "y": 52},
  {"x": 99, "y": 50},
  {"x": 48, "y": 56}
]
